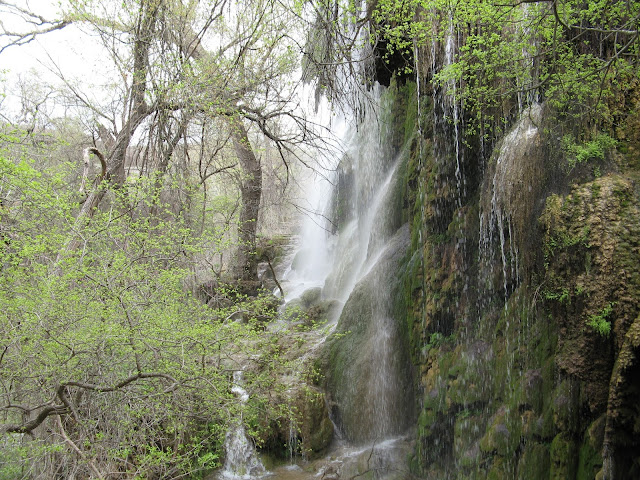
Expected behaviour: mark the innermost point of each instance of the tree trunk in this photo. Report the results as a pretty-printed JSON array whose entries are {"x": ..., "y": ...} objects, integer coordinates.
[
  {"x": 138, "y": 112},
  {"x": 246, "y": 266}
]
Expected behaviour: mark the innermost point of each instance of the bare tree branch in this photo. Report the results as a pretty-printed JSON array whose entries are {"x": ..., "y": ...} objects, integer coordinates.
[
  {"x": 75, "y": 448},
  {"x": 39, "y": 25}
]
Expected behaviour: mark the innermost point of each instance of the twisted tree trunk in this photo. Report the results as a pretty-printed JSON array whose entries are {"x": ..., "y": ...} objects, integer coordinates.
[{"x": 246, "y": 267}]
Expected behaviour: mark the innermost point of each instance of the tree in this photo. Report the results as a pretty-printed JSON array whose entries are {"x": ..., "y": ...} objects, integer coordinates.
[
  {"x": 568, "y": 53},
  {"x": 491, "y": 58},
  {"x": 129, "y": 375},
  {"x": 199, "y": 59},
  {"x": 105, "y": 352},
  {"x": 256, "y": 63}
]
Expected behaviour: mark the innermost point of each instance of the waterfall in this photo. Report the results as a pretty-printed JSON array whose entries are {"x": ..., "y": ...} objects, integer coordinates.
[
  {"x": 349, "y": 251},
  {"x": 509, "y": 195},
  {"x": 352, "y": 249},
  {"x": 336, "y": 247},
  {"x": 368, "y": 377},
  {"x": 241, "y": 461}
]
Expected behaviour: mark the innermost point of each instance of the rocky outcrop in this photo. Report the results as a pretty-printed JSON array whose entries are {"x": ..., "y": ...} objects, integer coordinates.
[{"x": 592, "y": 246}]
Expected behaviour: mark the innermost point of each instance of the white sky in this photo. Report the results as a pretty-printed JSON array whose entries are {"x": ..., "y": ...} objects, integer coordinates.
[{"x": 75, "y": 53}]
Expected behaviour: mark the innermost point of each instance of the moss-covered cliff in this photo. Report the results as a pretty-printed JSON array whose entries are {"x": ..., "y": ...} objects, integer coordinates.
[
  {"x": 521, "y": 280},
  {"x": 523, "y": 286}
]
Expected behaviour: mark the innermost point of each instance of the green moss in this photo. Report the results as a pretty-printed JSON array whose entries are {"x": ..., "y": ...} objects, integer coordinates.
[
  {"x": 503, "y": 434},
  {"x": 623, "y": 194},
  {"x": 402, "y": 115},
  {"x": 589, "y": 462},
  {"x": 500, "y": 469},
  {"x": 426, "y": 419},
  {"x": 563, "y": 456},
  {"x": 517, "y": 383},
  {"x": 534, "y": 462},
  {"x": 435, "y": 400},
  {"x": 467, "y": 429}
]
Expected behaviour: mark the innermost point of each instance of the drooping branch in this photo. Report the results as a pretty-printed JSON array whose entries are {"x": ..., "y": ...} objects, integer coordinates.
[
  {"x": 65, "y": 407},
  {"x": 76, "y": 449},
  {"x": 103, "y": 164},
  {"x": 121, "y": 384},
  {"x": 31, "y": 425}
]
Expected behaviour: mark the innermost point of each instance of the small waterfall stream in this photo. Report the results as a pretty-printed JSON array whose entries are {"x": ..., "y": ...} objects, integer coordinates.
[
  {"x": 241, "y": 460},
  {"x": 350, "y": 252}
]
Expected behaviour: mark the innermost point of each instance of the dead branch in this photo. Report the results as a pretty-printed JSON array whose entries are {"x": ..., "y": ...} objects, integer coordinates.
[
  {"x": 75, "y": 448},
  {"x": 40, "y": 26}
]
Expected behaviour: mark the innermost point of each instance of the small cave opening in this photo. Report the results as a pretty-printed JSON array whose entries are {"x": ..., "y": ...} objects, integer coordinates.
[{"x": 392, "y": 62}]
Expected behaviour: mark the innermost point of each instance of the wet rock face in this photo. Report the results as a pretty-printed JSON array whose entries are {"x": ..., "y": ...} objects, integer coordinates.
[
  {"x": 593, "y": 277},
  {"x": 310, "y": 431},
  {"x": 535, "y": 387},
  {"x": 524, "y": 313},
  {"x": 305, "y": 430},
  {"x": 368, "y": 372}
]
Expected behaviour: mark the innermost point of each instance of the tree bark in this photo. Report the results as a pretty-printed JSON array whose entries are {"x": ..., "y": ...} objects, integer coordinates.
[
  {"x": 138, "y": 112},
  {"x": 246, "y": 267}
]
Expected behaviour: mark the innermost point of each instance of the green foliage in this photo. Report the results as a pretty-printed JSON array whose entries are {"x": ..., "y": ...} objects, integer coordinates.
[
  {"x": 576, "y": 56},
  {"x": 561, "y": 295},
  {"x": 592, "y": 150},
  {"x": 435, "y": 340},
  {"x": 562, "y": 239},
  {"x": 600, "y": 322},
  {"x": 111, "y": 330}
]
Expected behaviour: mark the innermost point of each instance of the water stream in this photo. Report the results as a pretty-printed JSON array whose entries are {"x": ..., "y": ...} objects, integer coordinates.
[
  {"x": 349, "y": 251},
  {"x": 241, "y": 462}
]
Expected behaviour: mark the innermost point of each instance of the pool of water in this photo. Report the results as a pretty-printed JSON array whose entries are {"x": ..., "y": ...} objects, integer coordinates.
[{"x": 385, "y": 460}]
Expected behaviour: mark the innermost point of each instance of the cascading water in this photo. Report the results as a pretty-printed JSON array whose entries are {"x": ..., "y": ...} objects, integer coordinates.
[
  {"x": 507, "y": 196},
  {"x": 336, "y": 260},
  {"x": 353, "y": 249},
  {"x": 241, "y": 460}
]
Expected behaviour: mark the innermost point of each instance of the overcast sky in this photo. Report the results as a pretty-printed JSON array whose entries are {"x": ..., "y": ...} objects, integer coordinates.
[{"x": 70, "y": 50}]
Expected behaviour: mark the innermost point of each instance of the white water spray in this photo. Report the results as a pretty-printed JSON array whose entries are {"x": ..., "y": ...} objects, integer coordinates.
[{"x": 241, "y": 461}]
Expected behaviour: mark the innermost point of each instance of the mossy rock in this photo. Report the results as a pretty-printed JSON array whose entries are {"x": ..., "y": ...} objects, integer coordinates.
[
  {"x": 469, "y": 375},
  {"x": 532, "y": 391},
  {"x": 563, "y": 458},
  {"x": 566, "y": 407},
  {"x": 590, "y": 457},
  {"x": 534, "y": 462},
  {"x": 311, "y": 296},
  {"x": 500, "y": 469},
  {"x": 426, "y": 420},
  {"x": 315, "y": 426},
  {"x": 503, "y": 434},
  {"x": 322, "y": 312},
  {"x": 351, "y": 357},
  {"x": 466, "y": 434},
  {"x": 308, "y": 430}
]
